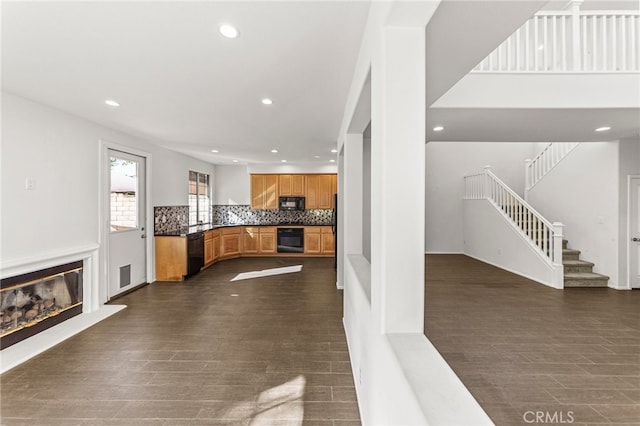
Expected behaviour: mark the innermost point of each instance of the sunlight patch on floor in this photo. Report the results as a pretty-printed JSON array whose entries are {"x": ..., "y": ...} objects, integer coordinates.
[
  {"x": 283, "y": 402},
  {"x": 267, "y": 272}
]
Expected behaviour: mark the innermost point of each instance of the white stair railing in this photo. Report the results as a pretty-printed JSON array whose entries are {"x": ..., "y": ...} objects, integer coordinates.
[
  {"x": 570, "y": 41},
  {"x": 544, "y": 162},
  {"x": 542, "y": 235}
]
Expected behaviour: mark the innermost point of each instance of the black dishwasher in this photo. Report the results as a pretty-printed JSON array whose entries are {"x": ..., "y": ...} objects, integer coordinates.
[{"x": 195, "y": 253}]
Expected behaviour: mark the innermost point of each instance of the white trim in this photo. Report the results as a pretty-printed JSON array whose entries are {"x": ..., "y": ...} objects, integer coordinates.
[
  {"x": 444, "y": 252},
  {"x": 103, "y": 214},
  {"x": 628, "y": 286}
]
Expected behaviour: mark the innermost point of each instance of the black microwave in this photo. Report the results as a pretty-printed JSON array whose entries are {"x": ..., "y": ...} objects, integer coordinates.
[{"x": 291, "y": 203}]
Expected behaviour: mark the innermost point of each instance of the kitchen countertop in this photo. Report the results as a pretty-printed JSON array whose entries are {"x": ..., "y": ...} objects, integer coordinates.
[{"x": 188, "y": 230}]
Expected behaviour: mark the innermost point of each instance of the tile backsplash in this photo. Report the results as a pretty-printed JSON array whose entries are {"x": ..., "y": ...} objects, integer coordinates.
[
  {"x": 243, "y": 214},
  {"x": 170, "y": 218}
]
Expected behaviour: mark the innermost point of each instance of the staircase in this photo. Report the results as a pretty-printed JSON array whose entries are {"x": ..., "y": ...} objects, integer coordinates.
[{"x": 579, "y": 273}]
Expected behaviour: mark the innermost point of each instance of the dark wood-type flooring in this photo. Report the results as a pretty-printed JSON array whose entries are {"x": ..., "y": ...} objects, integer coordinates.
[
  {"x": 265, "y": 351},
  {"x": 528, "y": 352}
]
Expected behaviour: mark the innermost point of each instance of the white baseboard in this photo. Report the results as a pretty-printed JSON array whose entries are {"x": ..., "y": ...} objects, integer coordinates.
[{"x": 443, "y": 252}]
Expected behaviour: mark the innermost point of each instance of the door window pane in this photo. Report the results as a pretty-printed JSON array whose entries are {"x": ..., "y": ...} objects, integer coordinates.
[{"x": 124, "y": 194}]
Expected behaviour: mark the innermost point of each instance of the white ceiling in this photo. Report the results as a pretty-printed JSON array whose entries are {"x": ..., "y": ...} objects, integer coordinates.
[{"x": 184, "y": 86}]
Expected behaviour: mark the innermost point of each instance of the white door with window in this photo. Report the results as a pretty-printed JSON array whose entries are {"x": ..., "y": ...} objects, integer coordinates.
[
  {"x": 127, "y": 219},
  {"x": 634, "y": 231}
]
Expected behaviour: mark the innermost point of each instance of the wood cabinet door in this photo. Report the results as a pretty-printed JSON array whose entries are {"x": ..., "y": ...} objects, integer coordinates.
[
  {"x": 270, "y": 192},
  {"x": 230, "y": 245},
  {"x": 216, "y": 247},
  {"x": 267, "y": 242},
  {"x": 284, "y": 185},
  {"x": 325, "y": 191},
  {"x": 257, "y": 191},
  {"x": 250, "y": 240},
  {"x": 312, "y": 240},
  {"x": 297, "y": 185},
  {"x": 328, "y": 242},
  {"x": 171, "y": 258},
  {"x": 208, "y": 250},
  {"x": 312, "y": 196}
]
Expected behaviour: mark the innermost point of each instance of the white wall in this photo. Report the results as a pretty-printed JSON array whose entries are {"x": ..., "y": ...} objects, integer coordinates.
[
  {"x": 582, "y": 192},
  {"x": 447, "y": 163},
  {"x": 232, "y": 185},
  {"x": 61, "y": 153},
  {"x": 491, "y": 237},
  {"x": 629, "y": 165}
]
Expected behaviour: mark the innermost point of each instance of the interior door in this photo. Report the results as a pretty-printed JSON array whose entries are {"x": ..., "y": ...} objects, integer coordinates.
[
  {"x": 127, "y": 218},
  {"x": 634, "y": 220}
]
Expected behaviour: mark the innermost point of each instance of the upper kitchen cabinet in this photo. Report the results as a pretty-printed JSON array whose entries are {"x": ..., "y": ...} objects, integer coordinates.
[
  {"x": 264, "y": 192},
  {"x": 320, "y": 190},
  {"x": 292, "y": 185}
]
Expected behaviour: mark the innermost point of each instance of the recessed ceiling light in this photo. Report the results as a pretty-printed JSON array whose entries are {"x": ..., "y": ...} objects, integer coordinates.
[
  {"x": 229, "y": 31},
  {"x": 275, "y": 151},
  {"x": 112, "y": 103},
  {"x": 283, "y": 161},
  {"x": 235, "y": 161},
  {"x": 603, "y": 129},
  {"x": 334, "y": 151},
  {"x": 332, "y": 161},
  {"x": 438, "y": 129},
  {"x": 214, "y": 150},
  {"x": 267, "y": 101},
  {"x": 316, "y": 156}
]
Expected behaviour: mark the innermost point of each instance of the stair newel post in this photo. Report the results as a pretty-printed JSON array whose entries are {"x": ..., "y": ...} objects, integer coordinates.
[
  {"x": 527, "y": 178},
  {"x": 557, "y": 254},
  {"x": 487, "y": 183}
]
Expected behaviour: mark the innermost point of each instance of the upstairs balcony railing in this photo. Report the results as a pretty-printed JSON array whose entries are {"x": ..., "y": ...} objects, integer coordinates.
[{"x": 571, "y": 41}]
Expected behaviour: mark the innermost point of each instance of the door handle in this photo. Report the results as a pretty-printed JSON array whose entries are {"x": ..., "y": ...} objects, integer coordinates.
[
  {"x": 143, "y": 236},
  {"x": 636, "y": 239}
]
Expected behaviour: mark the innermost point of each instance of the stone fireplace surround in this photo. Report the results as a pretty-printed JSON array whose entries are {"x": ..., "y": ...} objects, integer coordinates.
[{"x": 92, "y": 311}]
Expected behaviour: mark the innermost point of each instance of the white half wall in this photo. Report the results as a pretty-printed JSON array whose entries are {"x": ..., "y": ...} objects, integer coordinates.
[
  {"x": 447, "y": 163},
  {"x": 582, "y": 192}
]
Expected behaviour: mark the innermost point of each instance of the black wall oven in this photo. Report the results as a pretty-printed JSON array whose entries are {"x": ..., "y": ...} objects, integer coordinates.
[{"x": 290, "y": 240}]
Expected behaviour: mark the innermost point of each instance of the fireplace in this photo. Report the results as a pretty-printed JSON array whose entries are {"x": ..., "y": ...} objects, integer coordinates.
[{"x": 35, "y": 301}]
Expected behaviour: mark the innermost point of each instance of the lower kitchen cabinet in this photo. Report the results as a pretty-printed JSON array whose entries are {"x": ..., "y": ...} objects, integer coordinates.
[
  {"x": 312, "y": 240},
  {"x": 328, "y": 240},
  {"x": 250, "y": 240},
  {"x": 216, "y": 244},
  {"x": 208, "y": 247},
  {"x": 230, "y": 241},
  {"x": 268, "y": 240},
  {"x": 171, "y": 258}
]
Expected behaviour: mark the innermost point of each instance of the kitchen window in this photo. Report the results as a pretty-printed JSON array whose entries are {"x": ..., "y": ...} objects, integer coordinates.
[{"x": 199, "y": 198}]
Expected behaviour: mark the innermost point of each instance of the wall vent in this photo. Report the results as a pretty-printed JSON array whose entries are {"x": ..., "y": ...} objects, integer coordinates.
[{"x": 125, "y": 276}]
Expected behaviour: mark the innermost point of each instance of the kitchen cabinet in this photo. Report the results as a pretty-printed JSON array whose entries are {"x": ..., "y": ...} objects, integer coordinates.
[
  {"x": 328, "y": 240},
  {"x": 259, "y": 240},
  {"x": 320, "y": 190},
  {"x": 230, "y": 242},
  {"x": 208, "y": 247},
  {"x": 171, "y": 258},
  {"x": 312, "y": 240},
  {"x": 268, "y": 240},
  {"x": 291, "y": 185},
  {"x": 264, "y": 192},
  {"x": 216, "y": 244},
  {"x": 250, "y": 240}
]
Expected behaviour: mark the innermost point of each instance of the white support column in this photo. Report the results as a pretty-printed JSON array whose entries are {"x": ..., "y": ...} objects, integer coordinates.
[
  {"x": 398, "y": 181},
  {"x": 353, "y": 194}
]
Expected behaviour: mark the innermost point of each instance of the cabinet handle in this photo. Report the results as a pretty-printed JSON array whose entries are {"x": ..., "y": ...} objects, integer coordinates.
[{"x": 636, "y": 239}]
